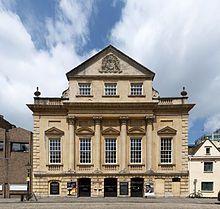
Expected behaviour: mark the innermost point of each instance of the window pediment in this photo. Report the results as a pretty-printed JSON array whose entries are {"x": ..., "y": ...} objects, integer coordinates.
[
  {"x": 54, "y": 131},
  {"x": 167, "y": 131},
  {"x": 84, "y": 131},
  {"x": 110, "y": 131},
  {"x": 136, "y": 130}
]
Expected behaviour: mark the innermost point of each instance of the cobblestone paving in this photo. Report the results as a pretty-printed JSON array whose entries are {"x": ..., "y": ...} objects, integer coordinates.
[{"x": 78, "y": 203}]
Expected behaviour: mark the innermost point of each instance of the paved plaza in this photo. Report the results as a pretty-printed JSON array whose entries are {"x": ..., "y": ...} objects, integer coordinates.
[{"x": 110, "y": 203}]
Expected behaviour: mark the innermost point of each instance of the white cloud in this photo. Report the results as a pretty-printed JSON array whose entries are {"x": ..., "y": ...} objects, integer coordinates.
[
  {"x": 212, "y": 124},
  {"x": 23, "y": 66},
  {"x": 179, "y": 40}
]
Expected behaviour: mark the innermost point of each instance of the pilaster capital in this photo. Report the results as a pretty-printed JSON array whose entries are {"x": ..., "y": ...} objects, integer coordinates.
[
  {"x": 123, "y": 120},
  {"x": 97, "y": 119},
  {"x": 149, "y": 119},
  {"x": 71, "y": 120}
]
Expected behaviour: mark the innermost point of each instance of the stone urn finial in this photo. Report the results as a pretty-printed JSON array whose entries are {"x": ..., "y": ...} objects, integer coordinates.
[
  {"x": 37, "y": 93},
  {"x": 183, "y": 92}
]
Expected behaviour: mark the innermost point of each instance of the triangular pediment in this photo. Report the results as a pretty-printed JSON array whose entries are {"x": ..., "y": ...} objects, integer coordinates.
[
  {"x": 84, "y": 131},
  {"x": 136, "y": 130},
  {"x": 110, "y": 131},
  {"x": 167, "y": 130},
  {"x": 110, "y": 61},
  {"x": 201, "y": 151},
  {"x": 54, "y": 131}
]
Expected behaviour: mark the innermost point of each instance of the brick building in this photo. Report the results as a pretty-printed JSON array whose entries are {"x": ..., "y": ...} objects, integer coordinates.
[{"x": 14, "y": 158}]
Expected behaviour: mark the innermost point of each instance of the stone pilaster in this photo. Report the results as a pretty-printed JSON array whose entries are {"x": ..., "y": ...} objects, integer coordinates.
[
  {"x": 149, "y": 127},
  {"x": 72, "y": 151},
  {"x": 97, "y": 162},
  {"x": 123, "y": 143}
]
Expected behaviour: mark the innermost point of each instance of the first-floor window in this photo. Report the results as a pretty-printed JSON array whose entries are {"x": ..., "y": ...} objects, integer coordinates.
[
  {"x": 135, "y": 150},
  {"x": 208, "y": 166},
  {"x": 110, "y": 150},
  {"x": 19, "y": 147},
  {"x": 166, "y": 150},
  {"x": 207, "y": 186},
  {"x": 54, "y": 151},
  {"x": 85, "y": 150}
]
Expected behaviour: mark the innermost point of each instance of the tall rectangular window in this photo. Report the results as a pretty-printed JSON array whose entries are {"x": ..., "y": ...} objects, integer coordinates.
[
  {"x": 84, "y": 89},
  {"x": 110, "y": 150},
  {"x": 1, "y": 145},
  {"x": 54, "y": 151},
  {"x": 110, "y": 89},
  {"x": 136, "y": 89},
  {"x": 207, "y": 151},
  {"x": 208, "y": 166},
  {"x": 85, "y": 150},
  {"x": 135, "y": 150},
  {"x": 166, "y": 150},
  {"x": 207, "y": 186}
]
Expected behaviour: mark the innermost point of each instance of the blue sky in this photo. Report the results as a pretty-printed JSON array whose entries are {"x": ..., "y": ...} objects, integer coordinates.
[{"x": 44, "y": 39}]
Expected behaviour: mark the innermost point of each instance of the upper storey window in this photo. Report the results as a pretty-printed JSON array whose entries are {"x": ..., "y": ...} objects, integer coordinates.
[
  {"x": 136, "y": 89},
  {"x": 84, "y": 89},
  {"x": 19, "y": 147},
  {"x": 110, "y": 89}
]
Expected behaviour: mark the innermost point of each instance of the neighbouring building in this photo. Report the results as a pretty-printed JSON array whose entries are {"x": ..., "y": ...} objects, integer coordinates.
[
  {"x": 204, "y": 166},
  {"x": 110, "y": 133},
  {"x": 14, "y": 156}
]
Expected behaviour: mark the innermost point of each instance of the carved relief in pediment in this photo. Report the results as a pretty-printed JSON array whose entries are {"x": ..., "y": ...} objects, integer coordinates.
[
  {"x": 84, "y": 131},
  {"x": 110, "y": 64},
  {"x": 54, "y": 131},
  {"x": 110, "y": 131},
  {"x": 136, "y": 130},
  {"x": 167, "y": 130}
]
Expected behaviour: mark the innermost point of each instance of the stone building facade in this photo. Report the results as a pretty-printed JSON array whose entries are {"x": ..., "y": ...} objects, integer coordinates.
[
  {"x": 14, "y": 156},
  {"x": 110, "y": 133}
]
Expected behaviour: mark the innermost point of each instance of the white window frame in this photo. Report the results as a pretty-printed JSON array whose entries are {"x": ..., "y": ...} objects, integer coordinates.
[
  {"x": 58, "y": 149},
  {"x": 168, "y": 153},
  {"x": 84, "y": 89},
  {"x": 135, "y": 156},
  {"x": 87, "y": 150},
  {"x": 110, "y": 89},
  {"x": 136, "y": 89},
  {"x": 111, "y": 150}
]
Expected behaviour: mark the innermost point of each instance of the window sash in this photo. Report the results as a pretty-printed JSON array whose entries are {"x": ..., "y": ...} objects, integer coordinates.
[
  {"x": 208, "y": 166},
  {"x": 54, "y": 151},
  {"x": 110, "y": 89},
  {"x": 110, "y": 150},
  {"x": 85, "y": 150},
  {"x": 84, "y": 89},
  {"x": 207, "y": 186},
  {"x": 135, "y": 150},
  {"x": 166, "y": 150},
  {"x": 19, "y": 147},
  {"x": 136, "y": 89}
]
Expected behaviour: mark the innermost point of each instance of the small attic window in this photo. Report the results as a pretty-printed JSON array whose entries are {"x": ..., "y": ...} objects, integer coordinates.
[{"x": 207, "y": 151}]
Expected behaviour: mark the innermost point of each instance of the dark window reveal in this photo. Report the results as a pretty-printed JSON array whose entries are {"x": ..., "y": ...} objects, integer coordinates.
[
  {"x": 19, "y": 147},
  {"x": 1, "y": 145},
  {"x": 54, "y": 188}
]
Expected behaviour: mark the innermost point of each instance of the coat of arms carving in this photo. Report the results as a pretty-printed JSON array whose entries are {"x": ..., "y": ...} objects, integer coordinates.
[{"x": 110, "y": 64}]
